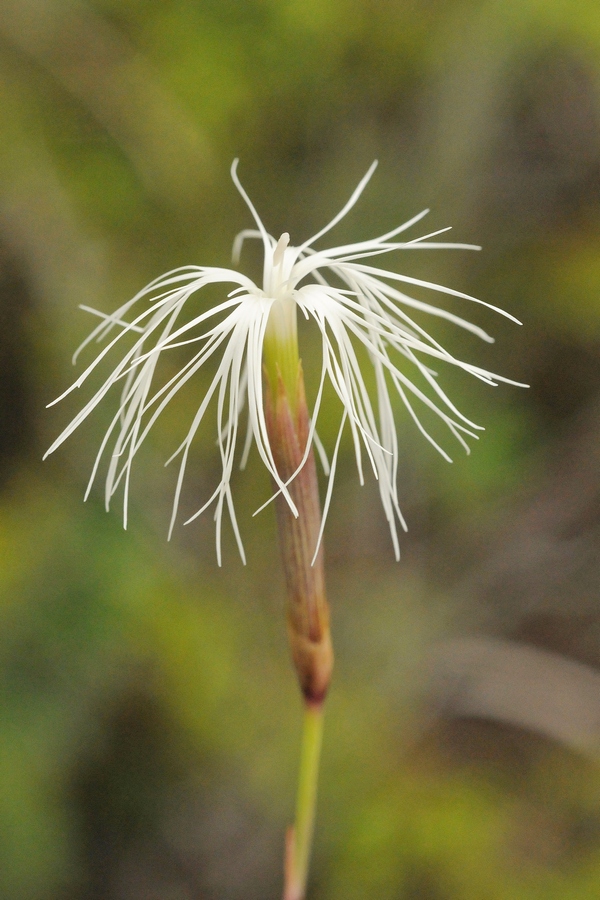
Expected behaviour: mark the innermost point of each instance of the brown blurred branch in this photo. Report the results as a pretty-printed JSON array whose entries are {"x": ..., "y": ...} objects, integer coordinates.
[
  {"x": 519, "y": 685},
  {"x": 536, "y": 580}
]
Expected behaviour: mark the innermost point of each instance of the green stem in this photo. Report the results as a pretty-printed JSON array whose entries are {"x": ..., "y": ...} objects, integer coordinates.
[{"x": 300, "y": 837}]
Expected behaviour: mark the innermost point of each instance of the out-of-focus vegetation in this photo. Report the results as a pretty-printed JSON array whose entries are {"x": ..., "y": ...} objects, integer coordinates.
[{"x": 148, "y": 716}]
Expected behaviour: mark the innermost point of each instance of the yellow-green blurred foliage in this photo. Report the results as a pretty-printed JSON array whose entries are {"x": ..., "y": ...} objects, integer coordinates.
[{"x": 149, "y": 719}]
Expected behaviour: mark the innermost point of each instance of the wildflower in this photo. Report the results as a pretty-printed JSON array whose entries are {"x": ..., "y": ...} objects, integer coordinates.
[{"x": 357, "y": 307}]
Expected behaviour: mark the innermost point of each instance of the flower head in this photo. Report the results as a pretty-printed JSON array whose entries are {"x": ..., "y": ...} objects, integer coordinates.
[{"x": 358, "y": 308}]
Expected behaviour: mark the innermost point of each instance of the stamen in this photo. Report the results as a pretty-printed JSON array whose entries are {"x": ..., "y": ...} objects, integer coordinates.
[{"x": 280, "y": 249}]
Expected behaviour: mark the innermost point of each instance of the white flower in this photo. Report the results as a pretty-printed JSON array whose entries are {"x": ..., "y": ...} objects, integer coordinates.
[{"x": 353, "y": 304}]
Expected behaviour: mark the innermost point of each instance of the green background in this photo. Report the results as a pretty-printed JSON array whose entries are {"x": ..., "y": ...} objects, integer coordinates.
[{"x": 149, "y": 718}]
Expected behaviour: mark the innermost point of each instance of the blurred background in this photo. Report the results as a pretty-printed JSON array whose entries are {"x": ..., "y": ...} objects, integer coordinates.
[{"x": 149, "y": 717}]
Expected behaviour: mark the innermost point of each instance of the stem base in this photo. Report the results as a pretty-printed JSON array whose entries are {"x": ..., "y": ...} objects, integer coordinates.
[{"x": 298, "y": 840}]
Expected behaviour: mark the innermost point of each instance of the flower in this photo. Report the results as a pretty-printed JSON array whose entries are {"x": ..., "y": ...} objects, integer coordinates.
[{"x": 353, "y": 304}]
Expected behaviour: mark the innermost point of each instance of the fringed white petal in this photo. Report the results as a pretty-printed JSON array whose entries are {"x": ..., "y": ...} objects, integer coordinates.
[{"x": 358, "y": 309}]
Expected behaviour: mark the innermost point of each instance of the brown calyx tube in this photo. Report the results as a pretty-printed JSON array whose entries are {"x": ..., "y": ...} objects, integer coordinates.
[{"x": 307, "y": 609}]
